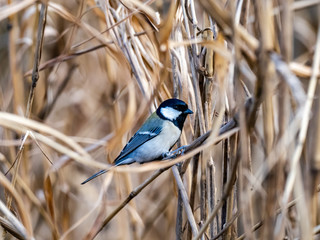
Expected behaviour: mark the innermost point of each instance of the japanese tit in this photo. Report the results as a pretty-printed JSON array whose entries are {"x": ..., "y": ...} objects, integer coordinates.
[{"x": 156, "y": 137}]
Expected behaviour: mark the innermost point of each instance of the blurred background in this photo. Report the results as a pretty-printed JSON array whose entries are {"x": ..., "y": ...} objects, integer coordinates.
[{"x": 78, "y": 78}]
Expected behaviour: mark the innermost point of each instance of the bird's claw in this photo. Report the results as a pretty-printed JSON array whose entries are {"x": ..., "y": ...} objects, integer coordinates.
[
  {"x": 179, "y": 151},
  {"x": 166, "y": 155},
  {"x": 175, "y": 153}
]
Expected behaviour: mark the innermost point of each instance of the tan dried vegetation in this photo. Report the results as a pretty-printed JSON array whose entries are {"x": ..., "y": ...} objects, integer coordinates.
[{"x": 78, "y": 78}]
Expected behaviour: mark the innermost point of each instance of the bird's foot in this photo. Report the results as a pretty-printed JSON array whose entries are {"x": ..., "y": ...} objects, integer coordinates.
[
  {"x": 173, "y": 154},
  {"x": 166, "y": 155}
]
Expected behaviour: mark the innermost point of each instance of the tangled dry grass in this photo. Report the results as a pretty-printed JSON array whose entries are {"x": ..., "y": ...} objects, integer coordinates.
[{"x": 78, "y": 78}]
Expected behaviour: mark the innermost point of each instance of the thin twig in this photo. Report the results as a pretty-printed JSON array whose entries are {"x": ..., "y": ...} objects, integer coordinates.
[
  {"x": 295, "y": 171},
  {"x": 224, "y": 197},
  {"x": 133, "y": 194},
  {"x": 185, "y": 200},
  {"x": 48, "y": 107},
  {"x": 37, "y": 56},
  {"x": 66, "y": 57},
  {"x": 160, "y": 210},
  {"x": 13, "y": 225},
  {"x": 179, "y": 218},
  {"x": 254, "y": 228},
  {"x": 227, "y": 226},
  {"x": 25, "y": 218}
]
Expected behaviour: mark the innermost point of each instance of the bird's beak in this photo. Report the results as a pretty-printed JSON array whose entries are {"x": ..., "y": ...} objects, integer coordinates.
[{"x": 188, "y": 111}]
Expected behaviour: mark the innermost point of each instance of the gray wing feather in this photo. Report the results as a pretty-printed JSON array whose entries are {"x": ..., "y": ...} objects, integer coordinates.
[{"x": 136, "y": 141}]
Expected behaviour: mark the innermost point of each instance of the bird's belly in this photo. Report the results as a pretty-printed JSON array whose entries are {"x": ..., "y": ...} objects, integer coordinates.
[{"x": 155, "y": 147}]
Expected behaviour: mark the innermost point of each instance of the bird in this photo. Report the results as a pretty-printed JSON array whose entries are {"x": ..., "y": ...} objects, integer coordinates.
[{"x": 155, "y": 138}]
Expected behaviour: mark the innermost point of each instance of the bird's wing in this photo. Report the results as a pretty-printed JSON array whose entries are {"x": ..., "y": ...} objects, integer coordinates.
[{"x": 143, "y": 135}]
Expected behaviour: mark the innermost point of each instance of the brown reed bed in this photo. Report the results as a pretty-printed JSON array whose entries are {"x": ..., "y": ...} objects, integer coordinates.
[{"x": 78, "y": 78}]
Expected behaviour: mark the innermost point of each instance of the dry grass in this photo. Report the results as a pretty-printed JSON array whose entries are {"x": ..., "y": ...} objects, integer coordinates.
[{"x": 78, "y": 78}]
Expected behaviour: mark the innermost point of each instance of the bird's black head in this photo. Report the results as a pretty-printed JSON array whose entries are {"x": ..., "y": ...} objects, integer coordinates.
[{"x": 175, "y": 111}]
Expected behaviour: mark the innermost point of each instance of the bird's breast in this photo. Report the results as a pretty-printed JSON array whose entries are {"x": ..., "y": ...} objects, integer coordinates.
[{"x": 158, "y": 145}]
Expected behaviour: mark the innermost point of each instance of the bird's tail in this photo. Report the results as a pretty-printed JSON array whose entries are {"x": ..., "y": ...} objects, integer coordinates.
[
  {"x": 104, "y": 171},
  {"x": 95, "y": 175}
]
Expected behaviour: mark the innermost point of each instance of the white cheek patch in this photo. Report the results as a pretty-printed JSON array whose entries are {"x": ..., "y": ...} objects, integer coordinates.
[{"x": 170, "y": 113}]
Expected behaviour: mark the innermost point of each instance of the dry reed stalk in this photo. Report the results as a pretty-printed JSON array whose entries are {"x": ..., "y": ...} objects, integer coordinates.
[
  {"x": 185, "y": 200},
  {"x": 13, "y": 225},
  {"x": 159, "y": 212},
  {"x": 106, "y": 65},
  {"x": 37, "y": 56}
]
